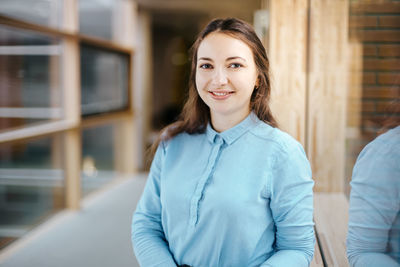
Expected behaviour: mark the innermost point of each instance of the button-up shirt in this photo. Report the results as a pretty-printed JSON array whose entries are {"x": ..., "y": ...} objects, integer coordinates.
[
  {"x": 242, "y": 197},
  {"x": 374, "y": 215}
]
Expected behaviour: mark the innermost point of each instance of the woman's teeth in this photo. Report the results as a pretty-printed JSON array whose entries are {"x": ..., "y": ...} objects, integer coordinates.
[{"x": 221, "y": 93}]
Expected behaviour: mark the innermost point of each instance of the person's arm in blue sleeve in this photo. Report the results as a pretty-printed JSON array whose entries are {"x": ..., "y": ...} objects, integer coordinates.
[
  {"x": 292, "y": 209},
  {"x": 148, "y": 240},
  {"x": 374, "y": 205}
]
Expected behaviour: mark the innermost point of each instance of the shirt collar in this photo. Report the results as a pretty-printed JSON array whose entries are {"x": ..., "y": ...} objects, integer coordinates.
[{"x": 232, "y": 134}]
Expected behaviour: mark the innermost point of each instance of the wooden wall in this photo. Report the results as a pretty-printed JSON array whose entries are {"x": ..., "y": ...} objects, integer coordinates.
[
  {"x": 308, "y": 46},
  {"x": 287, "y": 54},
  {"x": 327, "y": 92}
]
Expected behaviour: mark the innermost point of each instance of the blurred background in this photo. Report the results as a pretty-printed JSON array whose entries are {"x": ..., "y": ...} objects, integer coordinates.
[{"x": 86, "y": 85}]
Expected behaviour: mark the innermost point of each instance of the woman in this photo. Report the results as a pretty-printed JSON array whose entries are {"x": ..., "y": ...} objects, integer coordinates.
[
  {"x": 373, "y": 237},
  {"x": 226, "y": 187}
]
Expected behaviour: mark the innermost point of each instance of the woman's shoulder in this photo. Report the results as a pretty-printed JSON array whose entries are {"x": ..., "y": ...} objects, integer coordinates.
[
  {"x": 379, "y": 162},
  {"x": 182, "y": 139},
  {"x": 284, "y": 149},
  {"x": 386, "y": 146},
  {"x": 390, "y": 138},
  {"x": 275, "y": 137}
]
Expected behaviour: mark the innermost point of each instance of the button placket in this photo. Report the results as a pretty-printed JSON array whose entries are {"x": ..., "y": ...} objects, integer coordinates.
[{"x": 199, "y": 191}]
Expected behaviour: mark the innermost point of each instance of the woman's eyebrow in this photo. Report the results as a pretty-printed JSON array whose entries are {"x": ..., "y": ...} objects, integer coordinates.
[
  {"x": 231, "y": 58},
  {"x": 205, "y": 58}
]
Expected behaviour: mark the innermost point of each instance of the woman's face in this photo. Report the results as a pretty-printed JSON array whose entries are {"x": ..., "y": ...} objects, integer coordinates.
[{"x": 225, "y": 75}]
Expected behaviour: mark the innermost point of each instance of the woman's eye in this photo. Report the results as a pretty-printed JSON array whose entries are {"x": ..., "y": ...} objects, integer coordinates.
[
  {"x": 205, "y": 66},
  {"x": 235, "y": 65}
]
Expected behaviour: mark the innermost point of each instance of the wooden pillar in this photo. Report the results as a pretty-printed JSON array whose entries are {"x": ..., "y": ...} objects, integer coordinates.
[
  {"x": 123, "y": 22},
  {"x": 287, "y": 54},
  {"x": 72, "y": 168},
  {"x": 142, "y": 83},
  {"x": 124, "y": 31},
  {"x": 327, "y": 92},
  {"x": 71, "y": 106},
  {"x": 124, "y": 147}
]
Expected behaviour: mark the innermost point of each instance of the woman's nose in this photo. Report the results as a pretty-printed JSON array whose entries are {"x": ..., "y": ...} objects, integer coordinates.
[{"x": 219, "y": 78}]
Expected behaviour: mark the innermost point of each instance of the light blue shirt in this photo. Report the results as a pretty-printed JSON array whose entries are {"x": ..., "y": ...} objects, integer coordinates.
[
  {"x": 374, "y": 215},
  {"x": 242, "y": 197}
]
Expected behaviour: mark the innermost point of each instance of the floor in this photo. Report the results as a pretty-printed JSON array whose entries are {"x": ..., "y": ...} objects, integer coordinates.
[{"x": 97, "y": 235}]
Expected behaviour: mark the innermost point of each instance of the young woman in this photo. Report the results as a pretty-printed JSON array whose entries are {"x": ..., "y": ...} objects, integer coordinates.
[{"x": 226, "y": 186}]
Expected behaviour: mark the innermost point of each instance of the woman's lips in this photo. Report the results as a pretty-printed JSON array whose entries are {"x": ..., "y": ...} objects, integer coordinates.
[{"x": 220, "y": 95}]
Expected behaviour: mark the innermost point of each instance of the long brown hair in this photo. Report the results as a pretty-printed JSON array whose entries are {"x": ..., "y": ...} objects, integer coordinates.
[{"x": 195, "y": 114}]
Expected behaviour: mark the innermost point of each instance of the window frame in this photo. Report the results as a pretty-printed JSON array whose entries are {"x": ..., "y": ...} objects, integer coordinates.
[{"x": 71, "y": 126}]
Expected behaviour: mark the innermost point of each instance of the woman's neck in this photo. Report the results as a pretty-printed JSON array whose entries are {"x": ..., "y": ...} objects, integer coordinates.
[{"x": 221, "y": 122}]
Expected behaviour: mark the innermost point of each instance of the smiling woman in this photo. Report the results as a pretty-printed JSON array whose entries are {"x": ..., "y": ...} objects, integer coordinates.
[
  {"x": 226, "y": 78},
  {"x": 226, "y": 186}
]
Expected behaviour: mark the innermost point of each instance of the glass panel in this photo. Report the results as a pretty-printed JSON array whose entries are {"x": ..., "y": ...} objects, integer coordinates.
[
  {"x": 374, "y": 88},
  {"x": 31, "y": 185},
  {"x": 89, "y": 13},
  {"x": 104, "y": 77},
  {"x": 30, "y": 86},
  {"x": 44, "y": 12},
  {"x": 98, "y": 164}
]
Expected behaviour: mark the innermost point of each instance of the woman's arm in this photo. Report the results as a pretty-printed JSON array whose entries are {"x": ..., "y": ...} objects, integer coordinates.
[
  {"x": 374, "y": 205},
  {"x": 292, "y": 209},
  {"x": 149, "y": 243}
]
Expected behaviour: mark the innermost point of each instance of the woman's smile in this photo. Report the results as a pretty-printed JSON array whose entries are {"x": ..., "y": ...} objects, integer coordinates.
[{"x": 221, "y": 95}]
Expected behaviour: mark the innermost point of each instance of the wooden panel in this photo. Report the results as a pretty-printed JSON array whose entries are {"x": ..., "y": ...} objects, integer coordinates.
[
  {"x": 58, "y": 192},
  {"x": 72, "y": 168},
  {"x": 124, "y": 18},
  {"x": 71, "y": 85},
  {"x": 123, "y": 22},
  {"x": 142, "y": 83},
  {"x": 124, "y": 146},
  {"x": 70, "y": 16},
  {"x": 331, "y": 217},
  {"x": 72, "y": 107},
  {"x": 287, "y": 52},
  {"x": 327, "y": 92},
  {"x": 41, "y": 129}
]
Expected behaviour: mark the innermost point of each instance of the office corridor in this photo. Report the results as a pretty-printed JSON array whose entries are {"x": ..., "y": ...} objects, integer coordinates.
[{"x": 97, "y": 235}]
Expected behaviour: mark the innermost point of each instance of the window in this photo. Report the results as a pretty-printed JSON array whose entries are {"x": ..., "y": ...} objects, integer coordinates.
[
  {"x": 31, "y": 185},
  {"x": 104, "y": 79},
  {"x": 29, "y": 70},
  {"x": 43, "y": 12},
  {"x": 54, "y": 73}
]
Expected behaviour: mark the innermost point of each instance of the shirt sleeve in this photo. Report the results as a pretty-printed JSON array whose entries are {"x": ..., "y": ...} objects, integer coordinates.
[
  {"x": 148, "y": 240},
  {"x": 374, "y": 205},
  {"x": 292, "y": 209}
]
